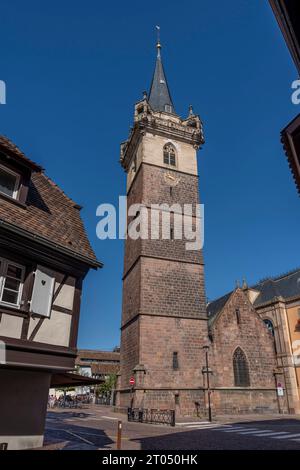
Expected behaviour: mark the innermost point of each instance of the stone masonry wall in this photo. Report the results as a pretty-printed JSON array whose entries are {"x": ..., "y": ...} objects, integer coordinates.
[{"x": 253, "y": 337}]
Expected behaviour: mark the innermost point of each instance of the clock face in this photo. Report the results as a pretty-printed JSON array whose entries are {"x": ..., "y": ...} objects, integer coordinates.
[{"x": 171, "y": 180}]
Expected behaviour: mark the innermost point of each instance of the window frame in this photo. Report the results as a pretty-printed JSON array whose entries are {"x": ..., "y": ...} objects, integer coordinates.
[
  {"x": 17, "y": 182},
  {"x": 168, "y": 154},
  {"x": 3, "y": 276},
  {"x": 238, "y": 372},
  {"x": 238, "y": 316},
  {"x": 175, "y": 360}
]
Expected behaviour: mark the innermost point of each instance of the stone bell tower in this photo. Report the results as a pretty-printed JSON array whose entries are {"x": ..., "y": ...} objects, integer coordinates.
[{"x": 164, "y": 323}]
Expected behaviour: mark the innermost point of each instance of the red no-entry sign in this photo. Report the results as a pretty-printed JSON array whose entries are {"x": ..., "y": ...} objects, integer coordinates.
[{"x": 132, "y": 381}]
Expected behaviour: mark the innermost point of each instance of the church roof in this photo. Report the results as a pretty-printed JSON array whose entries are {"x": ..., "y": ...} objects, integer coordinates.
[
  {"x": 286, "y": 286},
  {"x": 159, "y": 96},
  {"x": 214, "y": 307}
]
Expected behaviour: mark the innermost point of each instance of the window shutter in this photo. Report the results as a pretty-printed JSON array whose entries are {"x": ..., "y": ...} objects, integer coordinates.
[{"x": 42, "y": 293}]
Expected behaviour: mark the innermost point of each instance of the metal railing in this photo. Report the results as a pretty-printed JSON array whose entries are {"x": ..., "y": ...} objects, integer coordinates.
[
  {"x": 103, "y": 401},
  {"x": 153, "y": 416}
]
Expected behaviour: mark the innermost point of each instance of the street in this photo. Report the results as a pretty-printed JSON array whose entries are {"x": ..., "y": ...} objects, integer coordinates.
[{"x": 95, "y": 428}]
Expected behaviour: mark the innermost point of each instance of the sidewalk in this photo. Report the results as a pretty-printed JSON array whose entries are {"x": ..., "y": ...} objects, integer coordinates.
[{"x": 229, "y": 419}]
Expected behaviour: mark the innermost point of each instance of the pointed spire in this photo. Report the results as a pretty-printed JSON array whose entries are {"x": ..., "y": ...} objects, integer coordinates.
[{"x": 159, "y": 96}]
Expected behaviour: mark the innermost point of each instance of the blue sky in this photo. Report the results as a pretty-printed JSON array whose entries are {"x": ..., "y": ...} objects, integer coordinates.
[{"x": 75, "y": 69}]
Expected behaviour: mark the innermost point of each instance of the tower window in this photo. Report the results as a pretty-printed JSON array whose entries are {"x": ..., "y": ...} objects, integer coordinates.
[
  {"x": 168, "y": 108},
  {"x": 238, "y": 315},
  {"x": 240, "y": 369},
  {"x": 169, "y": 155},
  {"x": 8, "y": 182},
  {"x": 175, "y": 361}
]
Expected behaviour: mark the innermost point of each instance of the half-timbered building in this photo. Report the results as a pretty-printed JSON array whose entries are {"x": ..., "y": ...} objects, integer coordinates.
[{"x": 44, "y": 256}]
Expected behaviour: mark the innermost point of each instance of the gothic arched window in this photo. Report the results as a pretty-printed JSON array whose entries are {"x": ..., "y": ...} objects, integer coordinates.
[
  {"x": 240, "y": 369},
  {"x": 269, "y": 325},
  {"x": 169, "y": 155}
]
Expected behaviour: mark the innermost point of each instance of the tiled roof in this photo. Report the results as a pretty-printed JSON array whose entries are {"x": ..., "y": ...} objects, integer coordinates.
[
  {"x": 96, "y": 355},
  {"x": 8, "y": 146},
  {"x": 214, "y": 307},
  {"x": 159, "y": 96},
  {"x": 286, "y": 286},
  {"x": 49, "y": 214},
  {"x": 104, "y": 369}
]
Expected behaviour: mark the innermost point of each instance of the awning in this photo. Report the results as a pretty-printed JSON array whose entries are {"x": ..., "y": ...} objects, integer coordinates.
[{"x": 69, "y": 379}]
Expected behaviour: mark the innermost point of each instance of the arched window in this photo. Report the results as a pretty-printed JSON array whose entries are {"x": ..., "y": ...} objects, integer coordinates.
[
  {"x": 240, "y": 369},
  {"x": 269, "y": 325},
  {"x": 169, "y": 155}
]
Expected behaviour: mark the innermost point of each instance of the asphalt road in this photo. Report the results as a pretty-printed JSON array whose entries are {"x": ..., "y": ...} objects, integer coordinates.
[{"x": 96, "y": 427}]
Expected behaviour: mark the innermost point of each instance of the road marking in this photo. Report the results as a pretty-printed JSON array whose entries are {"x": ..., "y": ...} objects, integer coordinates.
[
  {"x": 272, "y": 433},
  {"x": 81, "y": 438},
  {"x": 255, "y": 432},
  {"x": 91, "y": 434},
  {"x": 288, "y": 437},
  {"x": 198, "y": 426},
  {"x": 240, "y": 429},
  {"x": 108, "y": 417},
  {"x": 74, "y": 435},
  {"x": 193, "y": 422}
]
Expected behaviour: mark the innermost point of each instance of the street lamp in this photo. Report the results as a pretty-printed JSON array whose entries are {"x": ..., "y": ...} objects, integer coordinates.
[{"x": 205, "y": 370}]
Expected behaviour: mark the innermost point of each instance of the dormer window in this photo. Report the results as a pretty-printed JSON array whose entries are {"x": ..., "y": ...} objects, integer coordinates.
[{"x": 9, "y": 182}]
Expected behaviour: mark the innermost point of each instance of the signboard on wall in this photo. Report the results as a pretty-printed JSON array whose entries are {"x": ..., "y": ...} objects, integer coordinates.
[{"x": 280, "y": 392}]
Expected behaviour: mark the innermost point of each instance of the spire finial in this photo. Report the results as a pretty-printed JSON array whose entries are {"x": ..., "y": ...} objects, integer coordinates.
[
  {"x": 158, "y": 45},
  {"x": 245, "y": 285}
]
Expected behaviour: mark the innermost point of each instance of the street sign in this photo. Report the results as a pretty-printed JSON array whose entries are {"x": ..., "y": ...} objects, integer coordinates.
[
  {"x": 132, "y": 381},
  {"x": 280, "y": 391}
]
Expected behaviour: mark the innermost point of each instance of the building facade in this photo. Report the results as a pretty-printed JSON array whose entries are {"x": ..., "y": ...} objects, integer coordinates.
[
  {"x": 164, "y": 323},
  {"x": 44, "y": 257},
  {"x": 98, "y": 364},
  {"x": 287, "y": 14},
  {"x": 277, "y": 301},
  {"x": 166, "y": 328},
  {"x": 242, "y": 358}
]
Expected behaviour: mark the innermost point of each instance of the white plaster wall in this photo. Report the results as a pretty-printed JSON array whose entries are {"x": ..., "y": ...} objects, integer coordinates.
[
  {"x": 54, "y": 330},
  {"x": 65, "y": 297},
  {"x": 11, "y": 326}
]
